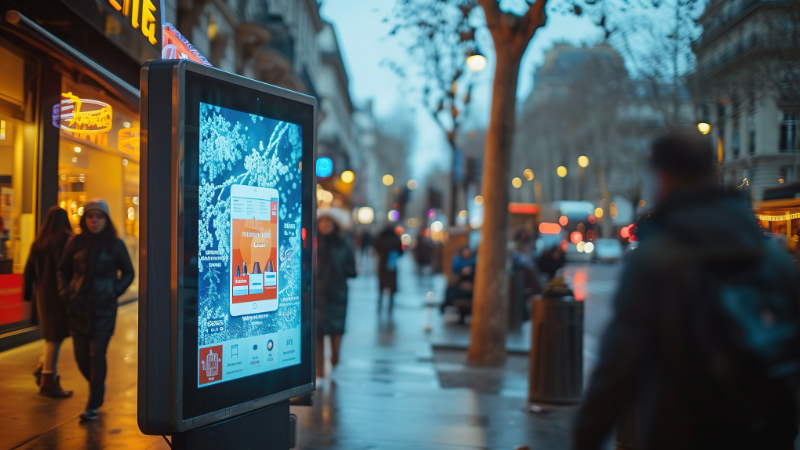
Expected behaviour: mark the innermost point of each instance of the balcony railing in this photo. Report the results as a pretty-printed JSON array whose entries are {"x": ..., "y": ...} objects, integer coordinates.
[{"x": 712, "y": 28}]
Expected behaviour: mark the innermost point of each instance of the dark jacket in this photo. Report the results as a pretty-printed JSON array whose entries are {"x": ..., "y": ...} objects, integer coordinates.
[
  {"x": 92, "y": 275},
  {"x": 703, "y": 345},
  {"x": 335, "y": 264},
  {"x": 389, "y": 246},
  {"x": 41, "y": 285}
]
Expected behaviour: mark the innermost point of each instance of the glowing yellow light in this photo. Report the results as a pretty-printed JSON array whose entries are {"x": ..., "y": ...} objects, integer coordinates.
[
  {"x": 642, "y": 203},
  {"x": 516, "y": 182},
  {"x": 528, "y": 174},
  {"x": 437, "y": 226},
  {"x": 348, "y": 176},
  {"x": 588, "y": 247},
  {"x": 74, "y": 159},
  {"x": 583, "y": 161},
  {"x": 365, "y": 215},
  {"x": 476, "y": 63},
  {"x": 580, "y": 246},
  {"x": 405, "y": 239},
  {"x": 478, "y": 200},
  {"x": 412, "y": 184},
  {"x": 77, "y": 149},
  {"x": 462, "y": 214},
  {"x": 598, "y": 212},
  {"x": 703, "y": 127},
  {"x": 124, "y": 162},
  {"x": 388, "y": 180},
  {"x": 561, "y": 171}
]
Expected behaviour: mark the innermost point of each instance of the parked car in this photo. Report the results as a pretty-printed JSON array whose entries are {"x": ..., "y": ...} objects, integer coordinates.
[{"x": 607, "y": 250}]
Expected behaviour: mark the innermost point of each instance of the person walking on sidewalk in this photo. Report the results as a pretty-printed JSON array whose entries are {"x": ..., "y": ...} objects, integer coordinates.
[
  {"x": 389, "y": 247},
  {"x": 94, "y": 271},
  {"x": 335, "y": 264},
  {"x": 41, "y": 286},
  {"x": 703, "y": 344}
]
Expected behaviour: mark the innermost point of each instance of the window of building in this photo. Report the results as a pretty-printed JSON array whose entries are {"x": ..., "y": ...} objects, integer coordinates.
[
  {"x": 751, "y": 133},
  {"x": 786, "y": 174},
  {"x": 735, "y": 144},
  {"x": 19, "y": 79},
  {"x": 98, "y": 157},
  {"x": 788, "y": 135}
]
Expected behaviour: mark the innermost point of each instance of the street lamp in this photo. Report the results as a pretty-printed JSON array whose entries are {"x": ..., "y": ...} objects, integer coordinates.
[
  {"x": 703, "y": 127},
  {"x": 476, "y": 61},
  {"x": 583, "y": 161},
  {"x": 561, "y": 171}
]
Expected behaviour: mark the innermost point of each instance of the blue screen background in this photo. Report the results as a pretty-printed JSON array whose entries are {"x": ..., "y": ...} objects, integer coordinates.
[{"x": 241, "y": 148}]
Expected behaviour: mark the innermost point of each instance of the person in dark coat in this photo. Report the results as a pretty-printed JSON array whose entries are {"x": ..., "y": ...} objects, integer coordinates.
[
  {"x": 41, "y": 285},
  {"x": 702, "y": 350},
  {"x": 389, "y": 247},
  {"x": 335, "y": 264},
  {"x": 95, "y": 270}
]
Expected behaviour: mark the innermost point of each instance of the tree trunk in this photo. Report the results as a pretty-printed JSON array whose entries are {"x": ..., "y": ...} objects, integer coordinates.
[{"x": 490, "y": 298}]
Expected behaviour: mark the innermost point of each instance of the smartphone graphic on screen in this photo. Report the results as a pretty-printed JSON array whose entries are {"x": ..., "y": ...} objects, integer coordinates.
[{"x": 254, "y": 250}]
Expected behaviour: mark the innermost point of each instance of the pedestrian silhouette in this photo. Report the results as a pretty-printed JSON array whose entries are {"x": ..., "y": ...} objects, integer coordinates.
[{"x": 702, "y": 351}]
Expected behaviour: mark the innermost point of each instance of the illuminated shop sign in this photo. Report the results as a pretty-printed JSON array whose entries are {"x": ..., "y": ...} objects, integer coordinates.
[
  {"x": 141, "y": 14},
  {"x": 178, "y": 47},
  {"x": 85, "y": 118},
  {"x": 128, "y": 140}
]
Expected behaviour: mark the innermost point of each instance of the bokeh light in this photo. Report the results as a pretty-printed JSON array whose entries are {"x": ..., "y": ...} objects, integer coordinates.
[
  {"x": 528, "y": 174},
  {"x": 598, "y": 212},
  {"x": 437, "y": 226},
  {"x": 365, "y": 215},
  {"x": 393, "y": 215},
  {"x": 388, "y": 180},
  {"x": 348, "y": 176},
  {"x": 563, "y": 220},
  {"x": 478, "y": 200},
  {"x": 516, "y": 182},
  {"x": 412, "y": 184},
  {"x": 561, "y": 171},
  {"x": 583, "y": 161}
]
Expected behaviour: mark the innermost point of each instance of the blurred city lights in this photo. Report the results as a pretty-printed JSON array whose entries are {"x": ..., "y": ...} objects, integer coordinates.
[
  {"x": 393, "y": 215},
  {"x": 431, "y": 214},
  {"x": 528, "y": 174},
  {"x": 583, "y": 161},
  {"x": 412, "y": 184},
  {"x": 365, "y": 215},
  {"x": 624, "y": 232},
  {"x": 592, "y": 218},
  {"x": 77, "y": 149},
  {"x": 462, "y": 214},
  {"x": 348, "y": 176},
  {"x": 516, "y": 182},
  {"x": 406, "y": 239},
  {"x": 580, "y": 246},
  {"x": 476, "y": 62},
  {"x": 324, "y": 167},
  {"x": 476, "y": 221},
  {"x": 478, "y": 200},
  {"x": 588, "y": 248},
  {"x": 549, "y": 228},
  {"x": 398, "y": 230},
  {"x": 563, "y": 220},
  {"x": 437, "y": 227},
  {"x": 561, "y": 171},
  {"x": 576, "y": 237},
  {"x": 703, "y": 127},
  {"x": 412, "y": 222},
  {"x": 388, "y": 180},
  {"x": 598, "y": 212},
  {"x": 642, "y": 203}
]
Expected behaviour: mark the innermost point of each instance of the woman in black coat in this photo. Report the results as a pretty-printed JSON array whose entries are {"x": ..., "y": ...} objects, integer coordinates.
[
  {"x": 94, "y": 271},
  {"x": 389, "y": 247},
  {"x": 335, "y": 264},
  {"x": 41, "y": 284}
]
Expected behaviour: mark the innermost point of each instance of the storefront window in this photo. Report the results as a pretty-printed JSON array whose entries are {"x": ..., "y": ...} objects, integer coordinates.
[
  {"x": 99, "y": 158},
  {"x": 18, "y": 172}
]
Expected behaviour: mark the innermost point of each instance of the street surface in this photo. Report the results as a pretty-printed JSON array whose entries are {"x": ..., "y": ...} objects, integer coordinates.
[{"x": 393, "y": 388}]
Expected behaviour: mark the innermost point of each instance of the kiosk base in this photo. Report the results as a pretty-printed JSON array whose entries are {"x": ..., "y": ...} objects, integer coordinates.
[{"x": 269, "y": 428}]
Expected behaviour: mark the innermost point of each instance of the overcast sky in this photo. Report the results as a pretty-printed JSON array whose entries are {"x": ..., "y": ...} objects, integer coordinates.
[{"x": 365, "y": 42}]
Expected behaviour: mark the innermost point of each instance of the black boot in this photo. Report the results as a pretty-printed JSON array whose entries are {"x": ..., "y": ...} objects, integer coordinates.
[{"x": 51, "y": 387}]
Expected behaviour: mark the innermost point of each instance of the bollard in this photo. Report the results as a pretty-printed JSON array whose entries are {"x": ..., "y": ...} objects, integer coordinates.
[{"x": 556, "y": 356}]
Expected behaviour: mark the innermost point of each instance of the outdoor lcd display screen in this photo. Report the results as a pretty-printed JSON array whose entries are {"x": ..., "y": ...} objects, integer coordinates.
[
  {"x": 226, "y": 266},
  {"x": 249, "y": 244}
]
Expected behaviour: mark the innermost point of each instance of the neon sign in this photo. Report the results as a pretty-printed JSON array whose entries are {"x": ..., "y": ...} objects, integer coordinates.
[
  {"x": 128, "y": 140},
  {"x": 178, "y": 47},
  {"x": 136, "y": 10},
  {"x": 82, "y": 116}
]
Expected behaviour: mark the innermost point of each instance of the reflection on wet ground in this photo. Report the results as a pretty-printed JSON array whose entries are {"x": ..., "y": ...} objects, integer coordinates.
[{"x": 391, "y": 390}]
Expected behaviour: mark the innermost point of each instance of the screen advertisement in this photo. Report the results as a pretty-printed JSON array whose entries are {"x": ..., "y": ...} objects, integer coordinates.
[
  {"x": 249, "y": 244},
  {"x": 226, "y": 265}
]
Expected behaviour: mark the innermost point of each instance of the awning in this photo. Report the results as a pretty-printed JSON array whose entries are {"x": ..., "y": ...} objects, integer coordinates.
[{"x": 38, "y": 36}]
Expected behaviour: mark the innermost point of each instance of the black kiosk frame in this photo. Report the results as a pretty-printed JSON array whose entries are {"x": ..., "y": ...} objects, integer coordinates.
[{"x": 172, "y": 398}]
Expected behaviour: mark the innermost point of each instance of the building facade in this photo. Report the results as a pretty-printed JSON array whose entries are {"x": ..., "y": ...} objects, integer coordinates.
[{"x": 747, "y": 90}]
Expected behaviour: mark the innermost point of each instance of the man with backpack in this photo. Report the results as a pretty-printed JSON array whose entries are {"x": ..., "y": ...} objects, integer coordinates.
[{"x": 703, "y": 346}]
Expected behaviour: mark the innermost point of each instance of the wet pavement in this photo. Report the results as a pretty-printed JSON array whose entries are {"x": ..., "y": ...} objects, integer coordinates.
[{"x": 391, "y": 390}]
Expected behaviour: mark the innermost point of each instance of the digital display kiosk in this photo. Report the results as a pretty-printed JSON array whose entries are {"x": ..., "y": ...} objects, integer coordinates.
[{"x": 226, "y": 239}]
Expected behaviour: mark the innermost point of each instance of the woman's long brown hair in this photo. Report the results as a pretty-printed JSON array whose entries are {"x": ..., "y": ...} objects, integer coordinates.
[{"x": 54, "y": 230}]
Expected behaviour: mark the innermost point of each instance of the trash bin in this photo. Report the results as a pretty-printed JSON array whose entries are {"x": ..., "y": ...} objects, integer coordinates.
[{"x": 556, "y": 357}]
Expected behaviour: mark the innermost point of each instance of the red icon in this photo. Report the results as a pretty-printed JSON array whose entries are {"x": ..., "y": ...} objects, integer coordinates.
[{"x": 210, "y": 364}]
